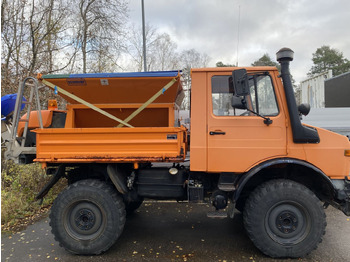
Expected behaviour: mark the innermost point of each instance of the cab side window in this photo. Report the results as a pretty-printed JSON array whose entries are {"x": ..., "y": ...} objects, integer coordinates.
[
  {"x": 222, "y": 92},
  {"x": 261, "y": 100}
]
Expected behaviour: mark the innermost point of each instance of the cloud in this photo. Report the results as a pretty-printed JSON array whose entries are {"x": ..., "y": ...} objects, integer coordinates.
[{"x": 265, "y": 26}]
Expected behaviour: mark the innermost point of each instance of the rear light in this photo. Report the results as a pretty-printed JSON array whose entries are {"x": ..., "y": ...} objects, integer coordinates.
[{"x": 347, "y": 153}]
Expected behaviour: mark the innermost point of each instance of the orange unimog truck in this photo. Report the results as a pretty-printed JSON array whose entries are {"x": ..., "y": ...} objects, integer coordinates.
[{"x": 247, "y": 148}]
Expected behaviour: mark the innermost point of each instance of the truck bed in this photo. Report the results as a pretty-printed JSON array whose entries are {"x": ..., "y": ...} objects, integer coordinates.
[{"x": 111, "y": 145}]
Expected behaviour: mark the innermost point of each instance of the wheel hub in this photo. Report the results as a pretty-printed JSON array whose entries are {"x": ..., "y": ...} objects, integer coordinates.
[
  {"x": 84, "y": 219},
  {"x": 287, "y": 222}
]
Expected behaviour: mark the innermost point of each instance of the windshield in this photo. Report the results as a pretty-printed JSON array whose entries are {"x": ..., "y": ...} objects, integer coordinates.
[{"x": 262, "y": 95}]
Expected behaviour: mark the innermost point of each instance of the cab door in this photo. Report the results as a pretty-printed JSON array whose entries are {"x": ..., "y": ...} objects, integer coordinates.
[{"x": 239, "y": 139}]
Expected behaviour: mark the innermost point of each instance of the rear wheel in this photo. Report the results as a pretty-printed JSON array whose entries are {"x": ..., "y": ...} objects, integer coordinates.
[
  {"x": 284, "y": 219},
  {"x": 88, "y": 217}
]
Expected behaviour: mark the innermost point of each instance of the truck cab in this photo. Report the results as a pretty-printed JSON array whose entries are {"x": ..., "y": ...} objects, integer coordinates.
[
  {"x": 235, "y": 139},
  {"x": 232, "y": 139}
]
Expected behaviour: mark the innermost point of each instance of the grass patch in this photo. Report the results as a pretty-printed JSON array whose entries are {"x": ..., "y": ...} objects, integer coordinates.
[{"x": 19, "y": 186}]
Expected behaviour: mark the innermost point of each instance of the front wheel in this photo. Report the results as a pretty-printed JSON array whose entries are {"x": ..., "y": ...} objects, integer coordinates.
[
  {"x": 88, "y": 217},
  {"x": 284, "y": 219}
]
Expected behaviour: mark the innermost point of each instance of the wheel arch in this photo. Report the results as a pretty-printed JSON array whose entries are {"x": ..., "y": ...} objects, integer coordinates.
[
  {"x": 288, "y": 168},
  {"x": 77, "y": 172}
]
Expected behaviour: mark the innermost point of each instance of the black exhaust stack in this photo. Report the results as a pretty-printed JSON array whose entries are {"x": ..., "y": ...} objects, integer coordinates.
[{"x": 301, "y": 134}]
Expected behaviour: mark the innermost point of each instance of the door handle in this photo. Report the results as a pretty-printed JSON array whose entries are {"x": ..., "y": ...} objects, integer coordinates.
[{"x": 212, "y": 133}]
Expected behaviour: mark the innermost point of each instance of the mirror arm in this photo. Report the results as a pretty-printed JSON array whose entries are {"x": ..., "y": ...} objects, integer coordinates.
[{"x": 267, "y": 120}]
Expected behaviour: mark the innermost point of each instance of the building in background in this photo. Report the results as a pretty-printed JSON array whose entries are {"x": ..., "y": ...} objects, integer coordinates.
[
  {"x": 337, "y": 91},
  {"x": 313, "y": 90},
  {"x": 329, "y": 98},
  {"x": 323, "y": 90}
]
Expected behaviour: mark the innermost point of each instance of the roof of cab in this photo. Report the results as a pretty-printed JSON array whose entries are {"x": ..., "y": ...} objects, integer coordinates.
[{"x": 228, "y": 69}]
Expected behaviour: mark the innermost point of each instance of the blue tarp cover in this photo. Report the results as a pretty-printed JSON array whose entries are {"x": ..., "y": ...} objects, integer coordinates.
[
  {"x": 118, "y": 75},
  {"x": 8, "y": 103}
]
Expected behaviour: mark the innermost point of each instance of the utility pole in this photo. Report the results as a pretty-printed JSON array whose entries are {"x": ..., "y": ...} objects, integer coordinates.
[{"x": 144, "y": 37}]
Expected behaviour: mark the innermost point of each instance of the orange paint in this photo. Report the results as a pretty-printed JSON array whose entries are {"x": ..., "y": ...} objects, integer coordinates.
[
  {"x": 244, "y": 141},
  {"x": 247, "y": 141},
  {"x": 77, "y": 145},
  {"x": 34, "y": 120},
  {"x": 155, "y": 115},
  {"x": 119, "y": 90}
]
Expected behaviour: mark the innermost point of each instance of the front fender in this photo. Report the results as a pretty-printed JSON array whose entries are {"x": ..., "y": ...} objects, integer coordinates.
[{"x": 290, "y": 161}]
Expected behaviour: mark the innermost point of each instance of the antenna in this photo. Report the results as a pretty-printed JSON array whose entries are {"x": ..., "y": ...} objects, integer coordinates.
[
  {"x": 239, "y": 21},
  {"x": 144, "y": 36}
]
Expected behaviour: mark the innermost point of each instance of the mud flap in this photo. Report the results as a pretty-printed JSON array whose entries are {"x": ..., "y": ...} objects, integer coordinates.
[{"x": 59, "y": 173}]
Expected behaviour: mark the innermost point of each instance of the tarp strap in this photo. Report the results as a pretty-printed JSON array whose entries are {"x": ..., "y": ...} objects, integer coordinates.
[
  {"x": 149, "y": 101},
  {"x": 78, "y": 99}
]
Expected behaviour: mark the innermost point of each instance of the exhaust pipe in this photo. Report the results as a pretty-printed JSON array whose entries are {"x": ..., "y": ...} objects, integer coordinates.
[{"x": 301, "y": 134}]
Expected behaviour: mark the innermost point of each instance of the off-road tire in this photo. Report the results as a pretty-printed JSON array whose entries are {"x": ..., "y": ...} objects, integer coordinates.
[
  {"x": 284, "y": 219},
  {"x": 88, "y": 217}
]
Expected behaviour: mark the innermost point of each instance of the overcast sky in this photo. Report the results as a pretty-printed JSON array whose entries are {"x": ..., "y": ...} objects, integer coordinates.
[{"x": 211, "y": 27}]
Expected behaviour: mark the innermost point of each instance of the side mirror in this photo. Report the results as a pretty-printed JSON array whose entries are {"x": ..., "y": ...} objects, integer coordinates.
[
  {"x": 240, "y": 82},
  {"x": 304, "y": 109},
  {"x": 238, "y": 103}
]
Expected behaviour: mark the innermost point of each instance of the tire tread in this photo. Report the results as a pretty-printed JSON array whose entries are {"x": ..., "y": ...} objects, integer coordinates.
[
  {"x": 107, "y": 189},
  {"x": 270, "y": 188}
]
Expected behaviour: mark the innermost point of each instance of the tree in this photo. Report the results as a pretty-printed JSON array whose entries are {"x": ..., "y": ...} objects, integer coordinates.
[
  {"x": 46, "y": 29},
  {"x": 326, "y": 58},
  {"x": 12, "y": 36},
  {"x": 161, "y": 50},
  {"x": 190, "y": 59},
  {"x": 165, "y": 56},
  {"x": 57, "y": 43},
  {"x": 134, "y": 48},
  {"x": 162, "y": 54},
  {"x": 34, "y": 40},
  {"x": 33, "y": 37},
  {"x": 265, "y": 60},
  {"x": 99, "y": 26},
  {"x": 221, "y": 64}
]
